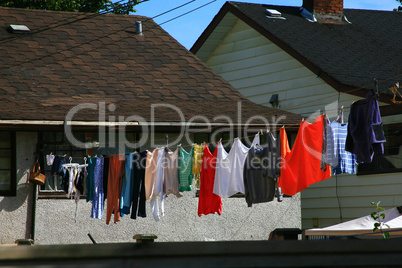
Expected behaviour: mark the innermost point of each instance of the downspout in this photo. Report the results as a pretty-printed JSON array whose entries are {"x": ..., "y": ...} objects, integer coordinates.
[
  {"x": 33, "y": 212},
  {"x": 37, "y": 154}
]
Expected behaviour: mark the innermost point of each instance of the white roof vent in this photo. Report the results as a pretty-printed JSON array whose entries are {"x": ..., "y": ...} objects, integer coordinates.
[
  {"x": 274, "y": 14},
  {"x": 15, "y": 28}
]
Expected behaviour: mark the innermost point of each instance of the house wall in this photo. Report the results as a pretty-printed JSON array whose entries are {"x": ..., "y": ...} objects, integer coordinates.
[
  {"x": 16, "y": 211},
  {"x": 347, "y": 197},
  {"x": 58, "y": 222},
  {"x": 258, "y": 68},
  {"x": 63, "y": 221}
]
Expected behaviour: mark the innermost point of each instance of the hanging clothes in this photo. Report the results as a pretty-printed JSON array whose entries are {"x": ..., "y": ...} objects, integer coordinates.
[
  {"x": 138, "y": 199},
  {"x": 346, "y": 161},
  {"x": 185, "y": 169},
  {"x": 105, "y": 175},
  {"x": 90, "y": 179},
  {"x": 50, "y": 159},
  {"x": 208, "y": 202},
  {"x": 365, "y": 136},
  {"x": 73, "y": 175},
  {"x": 301, "y": 165},
  {"x": 229, "y": 168},
  {"x": 116, "y": 173},
  {"x": 56, "y": 164},
  {"x": 150, "y": 173},
  {"x": 65, "y": 177},
  {"x": 328, "y": 156},
  {"x": 126, "y": 190},
  {"x": 261, "y": 170},
  {"x": 98, "y": 197},
  {"x": 171, "y": 178},
  {"x": 198, "y": 152},
  {"x": 158, "y": 187},
  {"x": 79, "y": 183}
]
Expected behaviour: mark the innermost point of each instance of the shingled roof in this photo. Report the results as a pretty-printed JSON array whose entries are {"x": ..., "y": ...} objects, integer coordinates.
[
  {"x": 346, "y": 56},
  {"x": 73, "y": 58}
]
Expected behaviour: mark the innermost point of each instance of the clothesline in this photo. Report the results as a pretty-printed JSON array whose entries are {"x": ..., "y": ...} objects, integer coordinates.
[
  {"x": 242, "y": 169},
  {"x": 213, "y": 143}
]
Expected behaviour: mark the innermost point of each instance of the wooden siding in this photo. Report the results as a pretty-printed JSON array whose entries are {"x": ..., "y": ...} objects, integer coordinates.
[
  {"x": 347, "y": 197},
  {"x": 258, "y": 68}
]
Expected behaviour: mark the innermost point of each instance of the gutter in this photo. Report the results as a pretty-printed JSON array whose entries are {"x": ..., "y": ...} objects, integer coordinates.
[{"x": 117, "y": 124}]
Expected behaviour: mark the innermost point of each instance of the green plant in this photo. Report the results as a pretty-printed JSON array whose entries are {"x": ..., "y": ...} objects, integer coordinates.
[{"x": 379, "y": 217}]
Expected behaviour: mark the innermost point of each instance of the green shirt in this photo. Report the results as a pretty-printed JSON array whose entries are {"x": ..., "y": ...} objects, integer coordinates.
[{"x": 185, "y": 169}]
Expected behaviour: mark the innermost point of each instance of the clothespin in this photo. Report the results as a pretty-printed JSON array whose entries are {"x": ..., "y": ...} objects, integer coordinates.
[
  {"x": 376, "y": 89},
  {"x": 167, "y": 140},
  {"x": 71, "y": 159}
]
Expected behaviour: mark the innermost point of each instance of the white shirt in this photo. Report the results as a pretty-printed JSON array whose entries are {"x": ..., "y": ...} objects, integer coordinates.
[
  {"x": 229, "y": 168},
  {"x": 158, "y": 187}
]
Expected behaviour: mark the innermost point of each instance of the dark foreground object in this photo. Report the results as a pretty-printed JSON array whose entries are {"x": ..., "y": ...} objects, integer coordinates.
[{"x": 325, "y": 253}]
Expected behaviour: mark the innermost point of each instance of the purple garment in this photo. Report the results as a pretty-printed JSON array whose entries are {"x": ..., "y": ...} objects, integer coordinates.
[
  {"x": 98, "y": 197},
  {"x": 365, "y": 134}
]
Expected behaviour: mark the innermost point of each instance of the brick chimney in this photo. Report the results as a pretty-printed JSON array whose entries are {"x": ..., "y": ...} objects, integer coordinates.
[{"x": 325, "y": 11}]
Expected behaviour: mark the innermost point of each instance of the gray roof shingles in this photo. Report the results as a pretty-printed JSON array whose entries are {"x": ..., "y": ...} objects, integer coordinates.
[{"x": 72, "y": 58}]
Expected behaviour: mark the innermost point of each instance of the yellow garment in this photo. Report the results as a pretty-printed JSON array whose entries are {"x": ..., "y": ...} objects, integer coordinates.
[{"x": 197, "y": 163}]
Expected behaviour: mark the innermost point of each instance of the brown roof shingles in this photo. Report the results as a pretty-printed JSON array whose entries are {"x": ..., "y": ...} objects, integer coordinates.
[{"x": 73, "y": 58}]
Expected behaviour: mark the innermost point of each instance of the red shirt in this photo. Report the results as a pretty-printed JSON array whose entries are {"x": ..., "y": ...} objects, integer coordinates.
[
  {"x": 301, "y": 165},
  {"x": 208, "y": 202}
]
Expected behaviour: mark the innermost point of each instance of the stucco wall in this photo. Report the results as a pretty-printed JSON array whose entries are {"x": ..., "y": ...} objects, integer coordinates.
[
  {"x": 15, "y": 212},
  {"x": 56, "y": 222}
]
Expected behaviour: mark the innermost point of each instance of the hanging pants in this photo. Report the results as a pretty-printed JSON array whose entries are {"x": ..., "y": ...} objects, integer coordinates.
[{"x": 116, "y": 173}]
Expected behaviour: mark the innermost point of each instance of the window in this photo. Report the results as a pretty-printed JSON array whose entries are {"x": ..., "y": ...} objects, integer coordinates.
[
  {"x": 391, "y": 160},
  {"x": 57, "y": 144},
  {"x": 8, "y": 176}
]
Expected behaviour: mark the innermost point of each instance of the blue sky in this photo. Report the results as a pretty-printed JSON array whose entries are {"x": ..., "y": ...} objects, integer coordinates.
[{"x": 188, "y": 28}]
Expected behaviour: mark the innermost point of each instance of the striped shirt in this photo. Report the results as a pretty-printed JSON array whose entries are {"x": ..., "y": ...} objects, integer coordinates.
[{"x": 346, "y": 161}]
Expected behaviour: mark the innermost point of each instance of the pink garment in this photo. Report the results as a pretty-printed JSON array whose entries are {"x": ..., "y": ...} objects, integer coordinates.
[{"x": 150, "y": 173}]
